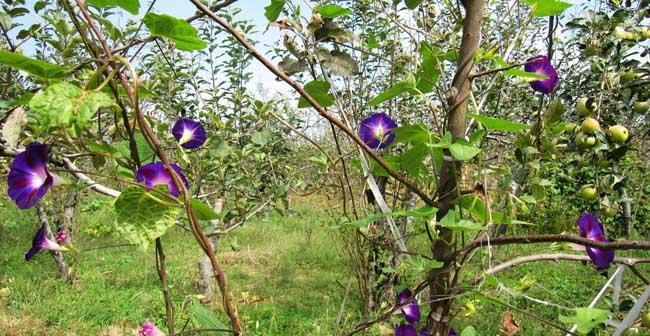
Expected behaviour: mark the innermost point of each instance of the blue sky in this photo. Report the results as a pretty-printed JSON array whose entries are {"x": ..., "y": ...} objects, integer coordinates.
[{"x": 251, "y": 10}]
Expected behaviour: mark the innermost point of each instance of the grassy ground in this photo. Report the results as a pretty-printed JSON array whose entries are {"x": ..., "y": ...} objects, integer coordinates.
[{"x": 287, "y": 274}]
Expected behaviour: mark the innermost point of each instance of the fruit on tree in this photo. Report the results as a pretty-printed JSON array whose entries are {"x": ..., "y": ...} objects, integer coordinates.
[
  {"x": 611, "y": 211},
  {"x": 631, "y": 331},
  {"x": 570, "y": 128},
  {"x": 589, "y": 193},
  {"x": 629, "y": 76},
  {"x": 623, "y": 34},
  {"x": 645, "y": 319},
  {"x": 618, "y": 133},
  {"x": 585, "y": 140},
  {"x": 586, "y": 106},
  {"x": 641, "y": 107},
  {"x": 590, "y": 125}
]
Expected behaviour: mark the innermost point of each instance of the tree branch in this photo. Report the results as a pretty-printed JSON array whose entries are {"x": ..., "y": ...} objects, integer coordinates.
[
  {"x": 323, "y": 112},
  {"x": 551, "y": 257}
]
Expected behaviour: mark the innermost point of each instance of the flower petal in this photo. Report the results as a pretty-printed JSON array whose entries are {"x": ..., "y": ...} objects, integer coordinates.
[
  {"x": 41, "y": 242},
  {"x": 453, "y": 332},
  {"x": 154, "y": 174},
  {"x": 190, "y": 133},
  {"x": 406, "y": 330},
  {"x": 28, "y": 178},
  {"x": 590, "y": 226},
  {"x": 376, "y": 130},
  {"x": 412, "y": 312},
  {"x": 403, "y": 296},
  {"x": 149, "y": 329},
  {"x": 600, "y": 258},
  {"x": 542, "y": 65},
  {"x": 62, "y": 237}
]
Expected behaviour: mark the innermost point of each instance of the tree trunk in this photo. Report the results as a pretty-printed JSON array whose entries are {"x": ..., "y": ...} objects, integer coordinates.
[
  {"x": 205, "y": 282},
  {"x": 61, "y": 264},
  {"x": 439, "y": 279}
]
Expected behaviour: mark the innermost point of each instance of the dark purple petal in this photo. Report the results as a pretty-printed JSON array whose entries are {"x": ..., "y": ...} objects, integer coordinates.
[
  {"x": 376, "y": 130},
  {"x": 541, "y": 65},
  {"x": 453, "y": 332},
  {"x": 406, "y": 330},
  {"x": 412, "y": 312},
  {"x": 189, "y": 133},
  {"x": 600, "y": 258},
  {"x": 154, "y": 174},
  {"x": 149, "y": 329},
  {"x": 28, "y": 178},
  {"x": 424, "y": 332},
  {"x": 40, "y": 242},
  {"x": 590, "y": 226},
  {"x": 403, "y": 296}
]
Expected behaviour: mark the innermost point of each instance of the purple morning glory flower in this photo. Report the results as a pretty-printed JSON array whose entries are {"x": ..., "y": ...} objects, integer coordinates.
[
  {"x": 189, "y": 133},
  {"x": 40, "y": 242},
  {"x": 153, "y": 174},
  {"x": 406, "y": 330},
  {"x": 28, "y": 177},
  {"x": 149, "y": 329},
  {"x": 453, "y": 332},
  {"x": 62, "y": 237},
  {"x": 376, "y": 130},
  {"x": 542, "y": 66},
  {"x": 411, "y": 310},
  {"x": 590, "y": 227}
]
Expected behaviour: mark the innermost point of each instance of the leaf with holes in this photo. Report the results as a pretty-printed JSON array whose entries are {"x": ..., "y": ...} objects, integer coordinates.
[
  {"x": 142, "y": 216},
  {"x": 131, "y": 6},
  {"x": 182, "y": 33},
  {"x": 32, "y": 66},
  {"x": 64, "y": 104},
  {"x": 587, "y": 319}
]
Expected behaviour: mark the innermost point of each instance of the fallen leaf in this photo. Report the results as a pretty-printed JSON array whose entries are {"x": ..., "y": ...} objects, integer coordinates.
[{"x": 508, "y": 325}]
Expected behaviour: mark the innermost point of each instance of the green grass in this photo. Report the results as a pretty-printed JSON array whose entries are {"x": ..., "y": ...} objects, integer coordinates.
[{"x": 287, "y": 275}]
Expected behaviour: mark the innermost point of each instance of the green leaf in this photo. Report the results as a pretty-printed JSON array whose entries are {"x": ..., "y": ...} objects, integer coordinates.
[
  {"x": 331, "y": 11},
  {"x": 131, "y": 6},
  {"x": 64, "y": 104},
  {"x": 413, "y": 134},
  {"x": 408, "y": 85},
  {"x": 496, "y": 124},
  {"x": 272, "y": 11},
  {"x": 586, "y": 319},
  {"x": 524, "y": 74},
  {"x": 469, "y": 331},
  {"x": 32, "y": 66},
  {"x": 142, "y": 216},
  {"x": 222, "y": 150},
  {"x": 319, "y": 90},
  {"x": 261, "y": 138},
  {"x": 180, "y": 31},
  {"x": 412, "y": 4},
  {"x": 378, "y": 170},
  {"x": 5, "y": 21},
  {"x": 145, "y": 153},
  {"x": 548, "y": 7},
  {"x": 463, "y": 152},
  {"x": 203, "y": 211},
  {"x": 422, "y": 266},
  {"x": 452, "y": 223},
  {"x": 428, "y": 72},
  {"x": 478, "y": 209},
  {"x": 412, "y": 161},
  {"x": 206, "y": 318}
]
